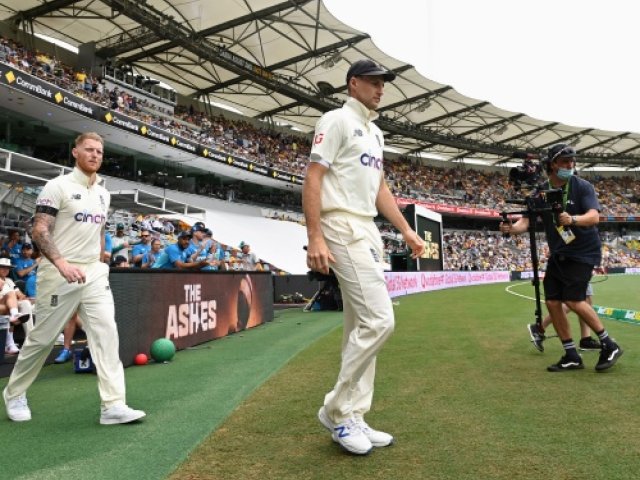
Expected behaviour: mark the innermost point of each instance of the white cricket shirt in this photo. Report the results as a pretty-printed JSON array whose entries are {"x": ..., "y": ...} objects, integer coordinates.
[
  {"x": 81, "y": 212},
  {"x": 348, "y": 142}
]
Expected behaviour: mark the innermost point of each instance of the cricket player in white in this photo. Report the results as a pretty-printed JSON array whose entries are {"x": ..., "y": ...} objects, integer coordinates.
[
  {"x": 344, "y": 190},
  {"x": 71, "y": 213}
]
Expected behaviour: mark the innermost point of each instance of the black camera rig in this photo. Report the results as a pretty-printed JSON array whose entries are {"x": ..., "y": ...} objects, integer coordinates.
[{"x": 539, "y": 201}]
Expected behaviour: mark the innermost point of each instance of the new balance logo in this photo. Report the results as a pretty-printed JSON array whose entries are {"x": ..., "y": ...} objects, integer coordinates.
[{"x": 342, "y": 431}]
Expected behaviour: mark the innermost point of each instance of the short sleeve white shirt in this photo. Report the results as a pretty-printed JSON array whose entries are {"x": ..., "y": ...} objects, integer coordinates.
[
  {"x": 348, "y": 142},
  {"x": 80, "y": 210}
]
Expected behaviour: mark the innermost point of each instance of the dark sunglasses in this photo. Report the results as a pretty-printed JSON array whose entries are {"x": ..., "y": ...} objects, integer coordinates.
[{"x": 565, "y": 152}]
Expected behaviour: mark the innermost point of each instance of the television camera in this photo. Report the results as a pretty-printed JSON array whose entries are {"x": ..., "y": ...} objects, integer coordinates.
[{"x": 539, "y": 201}]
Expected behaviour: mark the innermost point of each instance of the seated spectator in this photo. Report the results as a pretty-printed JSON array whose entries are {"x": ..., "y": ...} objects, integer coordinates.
[
  {"x": 141, "y": 248},
  {"x": 150, "y": 257},
  {"x": 13, "y": 246},
  {"x": 119, "y": 241},
  {"x": 250, "y": 260},
  {"x": 26, "y": 268},
  {"x": 120, "y": 262},
  {"x": 175, "y": 255},
  {"x": 14, "y": 304}
]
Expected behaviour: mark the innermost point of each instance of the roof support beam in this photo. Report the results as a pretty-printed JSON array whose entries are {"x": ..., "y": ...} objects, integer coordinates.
[
  {"x": 40, "y": 10},
  {"x": 236, "y": 22},
  {"x": 417, "y": 98},
  {"x": 605, "y": 141},
  {"x": 290, "y": 61},
  {"x": 165, "y": 26},
  {"x": 529, "y": 132},
  {"x": 492, "y": 124},
  {"x": 470, "y": 108}
]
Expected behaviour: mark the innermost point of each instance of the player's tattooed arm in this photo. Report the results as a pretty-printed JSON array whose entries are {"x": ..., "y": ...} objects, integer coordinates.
[{"x": 42, "y": 233}]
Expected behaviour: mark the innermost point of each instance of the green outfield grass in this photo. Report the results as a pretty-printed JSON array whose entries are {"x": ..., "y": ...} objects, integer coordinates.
[
  {"x": 459, "y": 385},
  {"x": 463, "y": 391}
]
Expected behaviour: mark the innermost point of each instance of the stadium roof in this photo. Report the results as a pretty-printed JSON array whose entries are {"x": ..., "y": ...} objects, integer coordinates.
[{"x": 286, "y": 61}]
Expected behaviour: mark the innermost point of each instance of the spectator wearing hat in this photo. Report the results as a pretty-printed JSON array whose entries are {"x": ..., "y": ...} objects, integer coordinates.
[
  {"x": 26, "y": 268},
  {"x": 12, "y": 303},
  {"x": 250, "y": 260},
  {"x": 120, "y": 262},
  {"x": 175, "y": 256},
  {"x": 201, "y": 246},
  {"x": 119, "y": 241},
  {"x": 198, "y": 244}
]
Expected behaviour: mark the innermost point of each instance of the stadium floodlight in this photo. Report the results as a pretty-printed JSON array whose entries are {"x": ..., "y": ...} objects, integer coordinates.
[{"x": 332, "y": 61}]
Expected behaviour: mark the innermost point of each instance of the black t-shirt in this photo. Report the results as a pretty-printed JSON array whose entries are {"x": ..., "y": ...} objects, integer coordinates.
[{"x": 586, "y": 247}]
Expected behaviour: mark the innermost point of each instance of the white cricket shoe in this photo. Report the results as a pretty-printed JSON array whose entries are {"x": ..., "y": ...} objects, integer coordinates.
[
  {"x": 17, "y": 407},
  {"x": 347, "y": 434},
  {"x": 376, "y": 437},
  {"x": 120, "y": 414}
]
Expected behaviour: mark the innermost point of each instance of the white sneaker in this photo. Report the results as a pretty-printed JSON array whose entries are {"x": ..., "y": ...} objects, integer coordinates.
[
  {"x": 324, "y": 420},
  {"x": 60, "y": 339},
  {"x": 11, "y": 349},
  {"x": 348, "y": 434},
  {"x": 17, "y": 408},
  {"x": 120, "y": 414},
  {"x": 376, "y": 437}
]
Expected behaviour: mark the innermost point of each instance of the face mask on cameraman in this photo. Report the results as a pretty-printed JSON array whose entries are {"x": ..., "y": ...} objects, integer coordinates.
[
  {"x": 555, "y": 153},
  {"x": 564, "y": 173}
]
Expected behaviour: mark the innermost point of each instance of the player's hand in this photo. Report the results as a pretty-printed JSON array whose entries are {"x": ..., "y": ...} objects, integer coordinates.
[
  {"x": 318, "y": 256},
  {"x": 70, "y": 272},
  {"x": 415, "y": 243}
]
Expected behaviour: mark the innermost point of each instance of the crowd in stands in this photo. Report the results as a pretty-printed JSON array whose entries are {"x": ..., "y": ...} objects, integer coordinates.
[
  {"x": 131, "y": 239},
  {"x": 152, "y": 242},
  {"x": 462, "y": 186},
  {"x": 266, "y": 147}
]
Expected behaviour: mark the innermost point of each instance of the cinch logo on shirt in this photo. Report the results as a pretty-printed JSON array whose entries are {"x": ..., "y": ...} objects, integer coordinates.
[
  {"x": 86, "y": 217},
  {"x": 370, "y": 161}
]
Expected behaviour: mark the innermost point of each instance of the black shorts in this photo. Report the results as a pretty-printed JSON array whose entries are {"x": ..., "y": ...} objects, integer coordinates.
[{"x": 566, "y": 279}]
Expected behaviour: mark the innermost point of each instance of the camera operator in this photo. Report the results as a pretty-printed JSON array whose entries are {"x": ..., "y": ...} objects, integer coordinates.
[{"x": 575, "y": 249}]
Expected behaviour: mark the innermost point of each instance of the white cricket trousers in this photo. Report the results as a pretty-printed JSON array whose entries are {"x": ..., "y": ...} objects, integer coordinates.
[
  {"x": 56, "y": 302},
  {"x": 356, "y": 246}
]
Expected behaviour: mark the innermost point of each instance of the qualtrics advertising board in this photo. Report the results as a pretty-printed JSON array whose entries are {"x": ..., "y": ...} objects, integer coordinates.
[{"x": 187, "y": 308}]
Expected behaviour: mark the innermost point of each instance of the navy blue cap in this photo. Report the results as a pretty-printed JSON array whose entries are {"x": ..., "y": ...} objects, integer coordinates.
[{"x": 369, "y": 67}]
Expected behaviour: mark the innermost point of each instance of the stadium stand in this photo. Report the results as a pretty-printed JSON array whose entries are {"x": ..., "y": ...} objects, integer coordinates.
[{"x": 218, "y": 203}]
